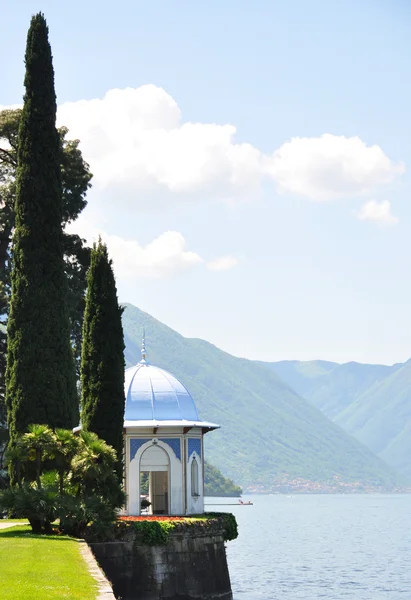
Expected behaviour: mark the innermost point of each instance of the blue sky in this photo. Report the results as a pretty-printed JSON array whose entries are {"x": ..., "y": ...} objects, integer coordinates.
[{"x": 252, "y": 182}]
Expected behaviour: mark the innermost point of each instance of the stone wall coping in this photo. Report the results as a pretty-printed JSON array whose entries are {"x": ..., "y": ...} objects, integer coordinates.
[
  {"x": 211, "y": 528},
  {"x": 105, "y": 591}
]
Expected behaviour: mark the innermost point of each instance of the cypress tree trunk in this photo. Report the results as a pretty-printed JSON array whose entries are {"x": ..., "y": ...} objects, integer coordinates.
[
  {"x": 102, "y": 357},
  {"x": 40, "y": 376}
]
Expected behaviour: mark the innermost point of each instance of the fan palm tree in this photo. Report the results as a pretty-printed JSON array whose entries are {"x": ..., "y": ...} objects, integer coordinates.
[
  {"x": 37, "y": 443},
  {"x": 64, "y": 449},
  {"x": 93, "y": 467}
]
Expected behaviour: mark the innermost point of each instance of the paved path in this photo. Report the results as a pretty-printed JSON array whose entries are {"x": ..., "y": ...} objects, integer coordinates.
[{"x": 7, "y": 525}]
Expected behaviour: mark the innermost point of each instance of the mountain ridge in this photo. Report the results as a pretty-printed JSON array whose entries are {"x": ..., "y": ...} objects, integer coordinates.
[
  {"x": 270, "y": 435},
  {"x": 370, "y": 402}
]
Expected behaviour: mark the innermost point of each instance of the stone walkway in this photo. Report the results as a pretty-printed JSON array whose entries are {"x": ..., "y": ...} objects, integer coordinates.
[{"x": 7, "y": 525}]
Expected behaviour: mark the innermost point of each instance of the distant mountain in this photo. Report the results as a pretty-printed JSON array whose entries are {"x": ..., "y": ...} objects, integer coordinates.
[
  {"x": 381, "y": 418},
  {"x": 270, "y": 435},
  {"x": 301, "y": 376},
  {"x": 331, "y": 387},
  {"x": 370, "y": 402}
]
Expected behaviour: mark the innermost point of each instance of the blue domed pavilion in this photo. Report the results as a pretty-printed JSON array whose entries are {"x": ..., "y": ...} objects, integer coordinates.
[{"x": 163, "y": 436}]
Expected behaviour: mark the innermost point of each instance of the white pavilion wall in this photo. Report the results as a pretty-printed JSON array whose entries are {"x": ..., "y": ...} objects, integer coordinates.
[
  {"x": 135, "y": 447},
  {"x": 195, "y": 505}
]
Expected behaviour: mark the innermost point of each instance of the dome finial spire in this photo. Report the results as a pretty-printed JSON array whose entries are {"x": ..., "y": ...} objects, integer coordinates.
[{"x": 143, "y": 346}]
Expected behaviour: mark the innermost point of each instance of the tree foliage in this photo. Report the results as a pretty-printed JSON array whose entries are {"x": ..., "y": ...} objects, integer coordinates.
[
  {"x": 102, "y": 365},
  {"x": 3, "y": 412},
  {"x": 75, "y": 180},
  {"x": 40, "y": 375}
]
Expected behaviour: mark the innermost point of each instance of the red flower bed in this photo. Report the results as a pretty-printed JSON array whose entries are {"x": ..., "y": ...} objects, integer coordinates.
[{"x": 151, "y": 518}]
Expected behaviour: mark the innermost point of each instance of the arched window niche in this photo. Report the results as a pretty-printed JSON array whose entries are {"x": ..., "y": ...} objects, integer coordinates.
[
  {"x": 155, "y": 470},
  {"x": 195, "y": 487}
]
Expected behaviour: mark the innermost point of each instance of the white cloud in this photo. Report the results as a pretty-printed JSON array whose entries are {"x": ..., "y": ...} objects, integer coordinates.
[
  {"x": 139, "y": 147},
  {"x": 224, "y": 263},
  {"x": 165, "y": 255},
  {"x": 134, "y": 139},
  {"x": 142, "y": 153},
  {"x": 330, "y": 166},
  {"x": 379, "y": 212}
]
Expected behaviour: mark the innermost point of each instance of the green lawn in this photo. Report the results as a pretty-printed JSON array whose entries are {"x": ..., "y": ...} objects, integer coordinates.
[{"x": 36, "y": 567}]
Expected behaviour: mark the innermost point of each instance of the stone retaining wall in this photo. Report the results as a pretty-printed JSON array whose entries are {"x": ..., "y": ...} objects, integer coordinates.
[{"x": 191, "y": 566}]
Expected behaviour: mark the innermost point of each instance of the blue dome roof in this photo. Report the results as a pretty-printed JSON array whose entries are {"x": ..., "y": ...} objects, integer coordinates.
[{"x": 154, "y": 394}]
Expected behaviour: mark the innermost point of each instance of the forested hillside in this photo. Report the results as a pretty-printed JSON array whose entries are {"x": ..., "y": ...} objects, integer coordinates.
[{"x": 215, "y": 484}]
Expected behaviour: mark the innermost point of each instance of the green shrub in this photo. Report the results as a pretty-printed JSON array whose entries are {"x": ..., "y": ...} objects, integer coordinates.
[
  {"x": 39, "y": 506},
  {"x": 153, "y": 533},
  {"x": 229, "y": 522},
  {"x": 90, "y": 516},
  {"x": 65, "y": 476}
]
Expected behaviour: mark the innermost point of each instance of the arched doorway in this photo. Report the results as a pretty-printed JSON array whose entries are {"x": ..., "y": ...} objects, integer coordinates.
[{"x": 156, "y": 462}]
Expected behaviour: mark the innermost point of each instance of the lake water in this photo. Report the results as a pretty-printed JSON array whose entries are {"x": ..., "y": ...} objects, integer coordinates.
[{"x": 335, "y": 547}]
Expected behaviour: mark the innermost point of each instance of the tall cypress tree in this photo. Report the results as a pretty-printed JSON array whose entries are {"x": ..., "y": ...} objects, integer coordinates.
[
  {"x": 102, "y": 356},
  {"x": 40, "y": 375}
]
